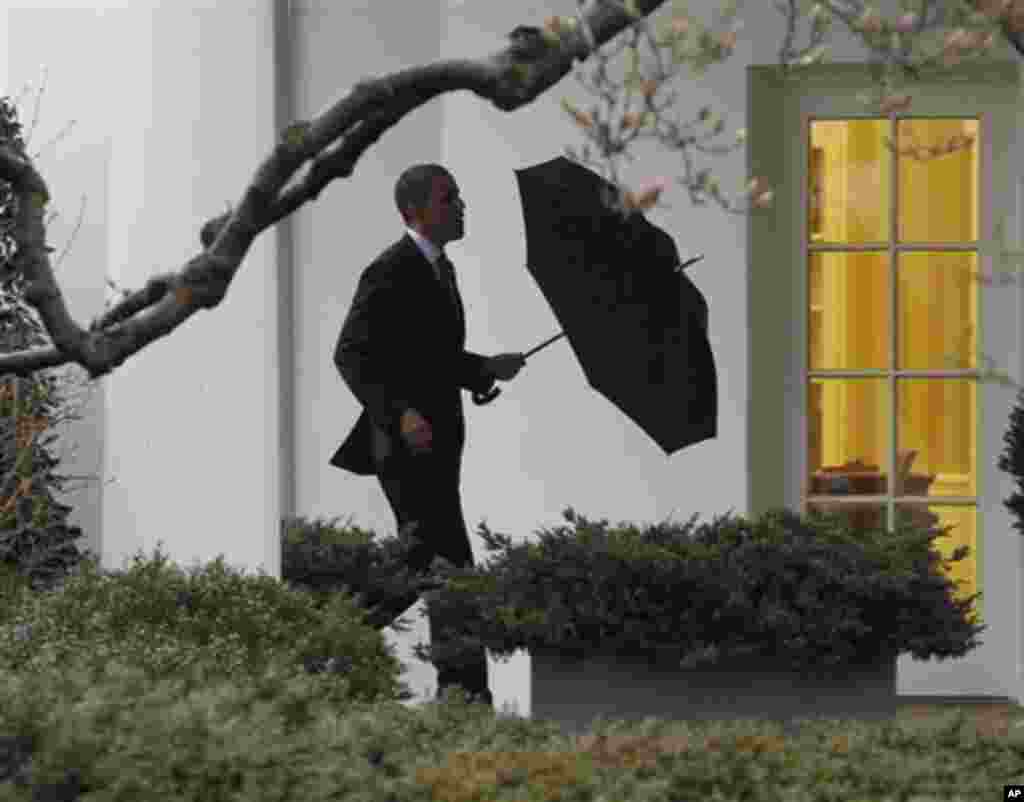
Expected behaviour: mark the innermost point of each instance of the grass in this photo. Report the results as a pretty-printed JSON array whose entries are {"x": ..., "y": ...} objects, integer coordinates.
[{"x": 144, "y": 728}]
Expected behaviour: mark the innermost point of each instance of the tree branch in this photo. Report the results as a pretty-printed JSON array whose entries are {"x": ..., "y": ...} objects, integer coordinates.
[{"x": 334, "y": 142}]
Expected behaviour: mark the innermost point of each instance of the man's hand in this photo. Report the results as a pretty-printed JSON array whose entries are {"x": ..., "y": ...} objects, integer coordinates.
[
  {"x": 505, "y": 366},
  {"x": 417, "y": 432}
]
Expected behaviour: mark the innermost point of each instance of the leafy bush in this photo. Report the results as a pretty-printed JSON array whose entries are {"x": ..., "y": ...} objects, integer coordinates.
[
  {"x": 129, "y": 739},
  {"x": 811, "y": 591},
  {"x": 215, "y": 615},
  {"x": 321, "y": 558},
  {"x": 147, "y": 685},
  {"x": 215, "y": 622}
]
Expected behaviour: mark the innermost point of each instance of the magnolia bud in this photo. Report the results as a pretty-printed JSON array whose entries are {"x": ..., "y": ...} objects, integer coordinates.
[
  {"x": 648, "y": 88},
  {"x": 581, "y": 117},
  {"x": 680, "y": 25},
  {"x": 741, "y": 135},
  {"x": 648, "y": 197},
  {"x": 906, "y": 23},
  {"x": 553, "y": 24},
  {"x": 728, "y": 40},
  {"x": 957, "y": 38},
  {"x": 764, "y": 199},
  {"x": 871, "y": 22}
]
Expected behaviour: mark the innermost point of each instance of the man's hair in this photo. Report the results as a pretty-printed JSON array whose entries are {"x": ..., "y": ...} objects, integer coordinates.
[{"x": 412, "y": 189}]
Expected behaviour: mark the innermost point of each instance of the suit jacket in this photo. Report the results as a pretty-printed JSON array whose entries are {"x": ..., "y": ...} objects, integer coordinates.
[{"x": 403, "y": 345}]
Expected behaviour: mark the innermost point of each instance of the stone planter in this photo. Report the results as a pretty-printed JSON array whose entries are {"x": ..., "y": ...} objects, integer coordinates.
[{"x": 574, "y": 691}]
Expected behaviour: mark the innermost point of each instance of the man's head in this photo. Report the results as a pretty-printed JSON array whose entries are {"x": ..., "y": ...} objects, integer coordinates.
[{"x": 428, "y": 199}]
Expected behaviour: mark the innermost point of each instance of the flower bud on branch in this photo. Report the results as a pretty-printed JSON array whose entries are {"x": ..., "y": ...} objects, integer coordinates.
[
  {"x": 647, "y": 196},
  {"x": 582, "y": 118},
  {"x": 631, "y": 120},
  {"x": 906, "y": 23},
  {"x": 680, "y": 25},
  {"x": 870, "y": 22},
  {"x": 552, "y": 31}
]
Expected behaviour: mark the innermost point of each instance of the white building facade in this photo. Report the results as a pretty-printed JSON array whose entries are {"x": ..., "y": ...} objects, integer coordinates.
[{"x": 207, "y": 438}]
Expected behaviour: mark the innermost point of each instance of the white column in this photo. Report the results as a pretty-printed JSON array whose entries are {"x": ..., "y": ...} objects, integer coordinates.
[{"x": 180, "y": 98}]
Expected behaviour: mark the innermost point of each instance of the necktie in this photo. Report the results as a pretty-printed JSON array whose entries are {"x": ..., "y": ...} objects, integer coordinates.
[{"x": 447, "y": 274}]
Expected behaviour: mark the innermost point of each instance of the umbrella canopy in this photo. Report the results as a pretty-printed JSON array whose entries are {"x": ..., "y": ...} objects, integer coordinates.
[{"x": 637, "y": 324}]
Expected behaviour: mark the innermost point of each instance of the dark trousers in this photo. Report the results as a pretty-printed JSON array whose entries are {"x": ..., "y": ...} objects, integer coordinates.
[{"x": 425, "y": 489}]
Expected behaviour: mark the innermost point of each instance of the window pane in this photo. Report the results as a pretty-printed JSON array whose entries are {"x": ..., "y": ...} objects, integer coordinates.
[
  {"x": 963, "y": 521},
  {"x": 938, "y": 311},
  {"x": 848, "y": 188},
  {"x": 848, "y": 436},
  {"x": 938, "y": 190},
  {"x": 848, "y": 320},
  {"x": 935, "y": 437},
  {"x": 860, "y": 517}
]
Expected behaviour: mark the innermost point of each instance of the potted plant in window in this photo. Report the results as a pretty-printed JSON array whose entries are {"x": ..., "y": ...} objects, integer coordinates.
[{"x": 783, "y": 617}]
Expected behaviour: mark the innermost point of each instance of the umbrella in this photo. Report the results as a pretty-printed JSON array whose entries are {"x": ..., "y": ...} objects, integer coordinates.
[{"x": 637, "y": 324}]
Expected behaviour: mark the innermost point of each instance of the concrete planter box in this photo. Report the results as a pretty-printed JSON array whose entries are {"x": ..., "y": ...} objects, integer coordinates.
[{"x": 573, "y": 691}]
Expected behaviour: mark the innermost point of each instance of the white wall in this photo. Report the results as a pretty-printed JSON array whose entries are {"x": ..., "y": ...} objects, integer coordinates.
[
  {"x": 174, "y": 106},
  {"x": 191, "y": 84}
]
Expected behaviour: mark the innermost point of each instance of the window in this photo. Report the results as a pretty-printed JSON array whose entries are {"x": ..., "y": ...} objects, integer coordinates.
[{"x": 892, "y": 326}]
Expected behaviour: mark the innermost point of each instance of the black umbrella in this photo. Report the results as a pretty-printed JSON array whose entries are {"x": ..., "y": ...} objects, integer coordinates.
[{"x": 637, "y": 324}]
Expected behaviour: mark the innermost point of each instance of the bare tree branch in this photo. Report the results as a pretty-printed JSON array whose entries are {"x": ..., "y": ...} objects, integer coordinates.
[{"x": 510, "y": 78}]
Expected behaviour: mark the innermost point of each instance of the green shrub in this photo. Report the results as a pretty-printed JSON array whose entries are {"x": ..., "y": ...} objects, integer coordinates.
[
  {"x": 214, "y": 621},
  {"x": 170, "y": 621},
  {"x": 319, "y": 557},
  {"x": 1011, "y": 461},
  {"x": 812, "y": 591},
  {"x": 147, "y": 685}
]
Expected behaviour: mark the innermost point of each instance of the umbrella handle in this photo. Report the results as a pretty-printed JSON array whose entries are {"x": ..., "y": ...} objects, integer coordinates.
[{"x": 485, "y": 398}]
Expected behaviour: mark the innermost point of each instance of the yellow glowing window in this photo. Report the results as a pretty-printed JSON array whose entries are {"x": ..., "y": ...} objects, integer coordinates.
[{"x": 892, "y": 323}]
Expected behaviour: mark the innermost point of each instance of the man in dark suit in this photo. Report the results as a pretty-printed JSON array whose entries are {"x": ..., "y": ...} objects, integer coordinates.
[{"x": 402, "y": 353}]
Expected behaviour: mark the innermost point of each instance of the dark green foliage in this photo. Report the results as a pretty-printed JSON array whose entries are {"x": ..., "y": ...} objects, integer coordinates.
[
  {"x": 811, "y": 591},
  {"x": 36, "y": 543},
  {"x": 320, "y": 558},
  {"x": 1011, "y": 461}
]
